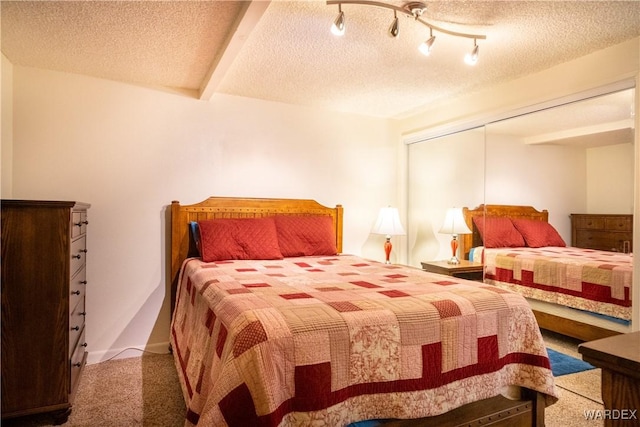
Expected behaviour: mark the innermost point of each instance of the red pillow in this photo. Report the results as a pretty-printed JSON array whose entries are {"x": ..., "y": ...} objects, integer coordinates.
[
  {"x": 235, "y": 238},
  {"x": 538, "y": 234},
  {"x": 306, "y": 235},
  {"x": 498, "y": 232}
]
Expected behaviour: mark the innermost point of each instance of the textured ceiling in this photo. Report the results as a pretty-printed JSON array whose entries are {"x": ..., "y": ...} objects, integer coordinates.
[{"x": 283, "y": 51}]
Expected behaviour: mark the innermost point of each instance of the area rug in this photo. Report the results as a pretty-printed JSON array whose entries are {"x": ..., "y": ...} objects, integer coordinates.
[{"x": 562, "y": 364}]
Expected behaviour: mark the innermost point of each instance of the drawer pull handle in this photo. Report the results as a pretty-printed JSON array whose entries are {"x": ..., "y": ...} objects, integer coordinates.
[
  {"x": 75, "y": 328},
  {"x": 77, "y": 365},
  {"x": 75, "y": 293},
  {"x": 84, "y": 313},
  {"x": 83, "y": 282},
  {"x": 84, "y": 251},
  {"x": 81, "y": 223},
  {"x": 76, "y": 256},
  {"x": 84, "y": 344}
]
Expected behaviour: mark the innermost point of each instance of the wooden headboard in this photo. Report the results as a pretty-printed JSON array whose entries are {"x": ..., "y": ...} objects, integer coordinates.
[
  {"x": 232, "y": 207},
  {"x": 468, "y": 241}
]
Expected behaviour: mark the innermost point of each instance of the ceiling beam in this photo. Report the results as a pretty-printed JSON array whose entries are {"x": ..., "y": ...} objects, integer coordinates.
[
  {"x": 247, "y": 19},
  {"x": 585, "y": 131}
]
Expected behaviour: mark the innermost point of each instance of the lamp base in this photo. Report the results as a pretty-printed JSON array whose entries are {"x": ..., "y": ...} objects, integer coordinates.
[
  {"x": 454, "y": 249},
  {"x": 387, "y": 249}
]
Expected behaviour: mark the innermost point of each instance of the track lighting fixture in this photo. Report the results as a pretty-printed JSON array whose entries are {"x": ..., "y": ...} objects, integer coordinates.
[
  {"x": 472, "y": 57},
  {"x": 338, "y": 26},
  {"x": 425, "y": 47},
  {"x": 414, "y": 10},
  {"x": 394, "y": 29}
]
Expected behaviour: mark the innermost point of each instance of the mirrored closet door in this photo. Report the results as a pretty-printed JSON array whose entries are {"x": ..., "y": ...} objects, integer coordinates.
[{"x": 443, "y": 173}]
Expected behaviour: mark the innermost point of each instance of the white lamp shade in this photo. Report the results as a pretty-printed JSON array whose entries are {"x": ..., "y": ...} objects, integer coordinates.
[
  {"x": 454, "y": 223},
  {"x": 388, "y": 223}
]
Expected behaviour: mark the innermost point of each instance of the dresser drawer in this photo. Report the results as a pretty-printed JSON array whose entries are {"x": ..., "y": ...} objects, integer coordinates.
[
  {"x": 77, "y": 288},
  {"x": 601, "y": 240},
  {"x": 618, "y": 224},
  {"x": 588, "y": 222},
  {"x": 77, "y": 361},
  {"x": 76, "y": 325},
  {"x": 78, "y": 254},
  {"x": 78, "y": 223}
]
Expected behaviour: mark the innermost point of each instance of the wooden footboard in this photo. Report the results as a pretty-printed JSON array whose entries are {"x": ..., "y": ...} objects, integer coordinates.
[
  {"x": 497, "y": 412},
  {"x": 571, "y": 328}
]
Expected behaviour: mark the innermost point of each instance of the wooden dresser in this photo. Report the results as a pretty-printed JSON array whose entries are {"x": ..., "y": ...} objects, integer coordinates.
[
  {"x": 603, "y": 232},
  {"x": 619, "y": 358},
  {"x": 44, "y": 246}
]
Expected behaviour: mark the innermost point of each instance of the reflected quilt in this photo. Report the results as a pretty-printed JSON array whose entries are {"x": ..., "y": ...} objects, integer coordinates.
[{"x": 586, "y": 279}]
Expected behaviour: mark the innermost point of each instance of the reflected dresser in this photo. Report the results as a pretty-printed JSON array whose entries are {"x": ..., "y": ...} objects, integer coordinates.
[
  {"x": 44, "y": 248},
  {"x": 602, "y": 232}
]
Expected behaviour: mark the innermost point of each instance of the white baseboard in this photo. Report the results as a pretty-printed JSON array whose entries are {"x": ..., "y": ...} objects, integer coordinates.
[{"x": 127, "y": 352}]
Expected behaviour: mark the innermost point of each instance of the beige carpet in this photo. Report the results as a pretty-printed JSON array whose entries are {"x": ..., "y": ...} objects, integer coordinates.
[
  {"x": 578, "y": 392},
  {"x": 144, "y": 391}
]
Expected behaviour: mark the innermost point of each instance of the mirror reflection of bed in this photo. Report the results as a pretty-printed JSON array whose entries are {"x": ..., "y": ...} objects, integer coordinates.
[
  {"x": 574, "y": 158},
  {"x": 571, "y": 159},
  {"x": 579, "y": 292}
]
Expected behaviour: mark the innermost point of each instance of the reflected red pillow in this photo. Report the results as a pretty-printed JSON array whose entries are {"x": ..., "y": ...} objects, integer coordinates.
[
  {"x": 498, "y": 232},
  {"x": 238, "y": 238},
  {"x": 538, "y": 234}
]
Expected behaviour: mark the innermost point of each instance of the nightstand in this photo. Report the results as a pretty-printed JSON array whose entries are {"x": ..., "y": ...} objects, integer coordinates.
[{"x": 465, "y": 270}]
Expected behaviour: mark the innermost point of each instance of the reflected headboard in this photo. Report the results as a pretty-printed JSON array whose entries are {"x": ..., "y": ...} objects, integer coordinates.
[
  {"x": 468, "y": 241},
  {"x": 234, "y": 207}
]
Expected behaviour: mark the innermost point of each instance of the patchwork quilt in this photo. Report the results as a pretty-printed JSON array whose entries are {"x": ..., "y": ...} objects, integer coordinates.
[
  {"x": 586, "y": 279},
  {"x": 327, "y": 341}
]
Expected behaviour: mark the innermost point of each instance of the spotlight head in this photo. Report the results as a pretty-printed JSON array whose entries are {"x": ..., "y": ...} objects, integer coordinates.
[
  {"x": 394, "y": 29},
  {"x": 472, "y": 57},
  {"x": 338, "y": 26},
  {"x": 425, "y": 48}
]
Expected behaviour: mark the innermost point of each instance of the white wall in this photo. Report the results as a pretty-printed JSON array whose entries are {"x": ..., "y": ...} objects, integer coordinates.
[
  {"x": 551, "y": 177},
  {"x": 6, "y": 127},
  {"x": 130, "y": 151},
  {"x": 610, "y": 179}
]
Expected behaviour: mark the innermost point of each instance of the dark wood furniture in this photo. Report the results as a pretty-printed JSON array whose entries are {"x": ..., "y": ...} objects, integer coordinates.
[
  {"x": 602, "y": 232},
  {"x": 562, "y": 325},
  {"x": 464, "y": 270},
  {"x": 496, "y": 411},
  {"x": 44, "y": 245},
  {"x": 619, "y": 359}
]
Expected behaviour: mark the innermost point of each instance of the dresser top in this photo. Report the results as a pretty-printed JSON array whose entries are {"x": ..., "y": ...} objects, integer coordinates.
[
  {"x": 618, "y": 353},
  {"x": 42, "y": 203}
]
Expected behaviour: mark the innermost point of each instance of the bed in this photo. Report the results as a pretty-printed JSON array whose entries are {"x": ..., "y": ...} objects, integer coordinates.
[
  {"x": 333, "y": 339},
  {"x": 582, "y": 293}
]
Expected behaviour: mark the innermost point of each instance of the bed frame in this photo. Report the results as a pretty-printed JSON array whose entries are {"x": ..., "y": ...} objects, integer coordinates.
[
  {"x": 497, "y": 411},
  {"x": 562, "y": 325}
]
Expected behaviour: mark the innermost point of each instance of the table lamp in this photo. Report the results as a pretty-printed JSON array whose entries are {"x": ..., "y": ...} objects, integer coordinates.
[
  {"x": 388, "y": 223},
  {"x": 454, "y": 224}
]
